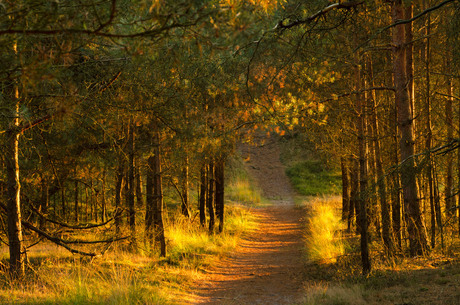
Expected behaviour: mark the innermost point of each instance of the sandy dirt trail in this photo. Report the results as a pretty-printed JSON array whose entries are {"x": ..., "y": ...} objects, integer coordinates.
[{"x": 267, "y": 267}]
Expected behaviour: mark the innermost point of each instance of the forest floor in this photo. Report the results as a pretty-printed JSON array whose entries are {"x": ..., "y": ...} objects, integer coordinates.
[{"x": 267, "y": 267}]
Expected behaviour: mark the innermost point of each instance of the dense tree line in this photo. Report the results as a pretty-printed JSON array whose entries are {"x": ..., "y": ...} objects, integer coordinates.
[
  {"x": 382, "y": 81},
  {"x": 107, "y": 105}
]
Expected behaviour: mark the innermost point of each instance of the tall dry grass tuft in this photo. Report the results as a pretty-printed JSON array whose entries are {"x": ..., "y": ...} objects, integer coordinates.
[
  {"x": 334, "y": 295},
  {"x": 123, "y": 277},
  {"x": 323, "y": 239}
]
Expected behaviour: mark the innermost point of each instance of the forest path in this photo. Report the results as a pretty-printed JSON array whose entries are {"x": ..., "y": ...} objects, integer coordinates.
[{"x": 267, "y": 267}]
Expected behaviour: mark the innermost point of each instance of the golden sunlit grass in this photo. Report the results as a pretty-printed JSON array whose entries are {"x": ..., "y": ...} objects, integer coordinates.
[
  {"x": 121, "y": 277},
  {"x": 323, "y": 242}
]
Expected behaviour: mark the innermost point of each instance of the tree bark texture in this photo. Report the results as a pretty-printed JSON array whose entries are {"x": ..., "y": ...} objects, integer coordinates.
[
  {"x": 150, "y": 200},
  {"x": 429, "y": 132},
  {"x": 354, "y": 193},
  {"x": 382, "y": 190},
  {"x": 210, "y": 197},
  {"x": 363, "y": 201},
  {"x": 202, "y": 199},
  {"x": 131, "y": 186},
  {"x": 448, "y": 192},
  {"x": 158, "y": 195},
  {"x": 185, "y": 183},
  {"x": 345, "y": 189},
  {"x": 13, "y": 193},
  {"x": 118, "y": 189},
  {"x": 220, "y": 204},
  {"x": 416, "y": 230}
]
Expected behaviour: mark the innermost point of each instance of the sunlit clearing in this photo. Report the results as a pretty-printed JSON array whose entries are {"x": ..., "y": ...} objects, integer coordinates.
[{"x": 323, "y": 240}]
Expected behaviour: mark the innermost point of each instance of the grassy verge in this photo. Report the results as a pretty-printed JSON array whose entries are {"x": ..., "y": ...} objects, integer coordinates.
[
  {"x": 121, "y": 277},
  {"x": 334, "y": 274},
  {"x": 312, "y": 178}
]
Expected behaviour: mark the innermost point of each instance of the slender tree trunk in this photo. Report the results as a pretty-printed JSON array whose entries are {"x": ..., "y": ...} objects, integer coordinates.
[
  {"x": 158, "y": 195},
  {"x": 458, "y": 173},
  {"x": 118, "y": 189},
  {"x": 91, "y": 198},
  {"x": 345, "y": 189},
  {"x": 382, "y": 191},
  {"x": 13, "y": 192},
  {"x": 63, "y": 200},
  {"x": 86, "y": 203},
  {"x": 416, "y": 230},
  {"x": 363, "y": 206},
  {"x": 103, "y": 203},
  {"x": 44, "y": 202},
  {"x": 130, "y": 187},
  {"x": 220, "y": 174},
  {"x": 210, "y": 197},
  {"x": 408, "y": 14},
  {"x": 449, "y": 198},
  {"x": 184, "y": 204},
  {"x": 76, "y": 218},
  {"x": 150, "y": 200},
  {"x": 203, "y": 191},
  {"x": 396, "y": 194},
  {"x": 354, "y": 191},
  {"x": 437, "y": 206},
  {"x": 139, "y": 200},
  {"x": 429, "y": 132}
]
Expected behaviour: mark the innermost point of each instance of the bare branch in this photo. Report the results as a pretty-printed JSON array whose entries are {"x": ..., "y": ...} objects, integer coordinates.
[
  {"x": 64, "y": 243},
  {"x": 65, "y": 225},
  {"x": 360, "y": 91},
  {"x": 345, "y": 5}
]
